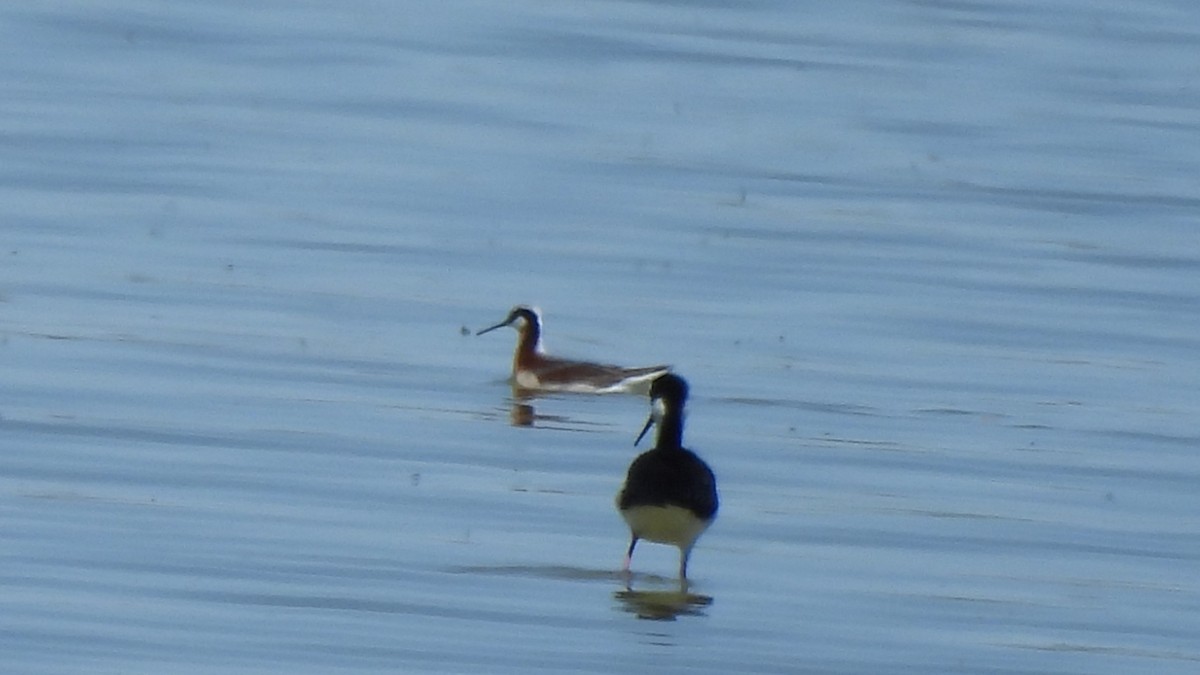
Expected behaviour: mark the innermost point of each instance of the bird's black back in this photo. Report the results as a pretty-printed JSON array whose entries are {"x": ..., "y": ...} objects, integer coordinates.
[{"x": 671, "y": 477}]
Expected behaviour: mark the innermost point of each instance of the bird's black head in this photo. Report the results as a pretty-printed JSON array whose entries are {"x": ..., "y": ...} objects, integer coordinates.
[
  {"x": 668, "y": 393},
  {"x": 669, "y": 387},
  {"x": 517, "y": 318}
]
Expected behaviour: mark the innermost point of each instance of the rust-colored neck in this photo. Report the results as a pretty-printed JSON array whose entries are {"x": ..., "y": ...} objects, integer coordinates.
[{"x": 527, "y": 345}]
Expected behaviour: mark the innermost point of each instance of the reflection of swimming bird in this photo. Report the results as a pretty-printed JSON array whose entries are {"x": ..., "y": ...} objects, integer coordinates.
[
  {"x": 535, "y": 370},
  {"x": 670, "y": 494}
]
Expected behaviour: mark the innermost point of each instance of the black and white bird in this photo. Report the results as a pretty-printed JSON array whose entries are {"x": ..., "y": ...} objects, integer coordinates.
[{"x": 670, "y": 494}]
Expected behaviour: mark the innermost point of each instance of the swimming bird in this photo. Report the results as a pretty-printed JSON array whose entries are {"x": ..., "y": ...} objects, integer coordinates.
[
  {"x": 535, "y": 370},
  {"x": 670, "y": 494}
]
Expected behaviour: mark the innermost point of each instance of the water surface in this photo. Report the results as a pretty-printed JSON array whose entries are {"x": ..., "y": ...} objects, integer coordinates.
[{"x": 929, "y": 267}]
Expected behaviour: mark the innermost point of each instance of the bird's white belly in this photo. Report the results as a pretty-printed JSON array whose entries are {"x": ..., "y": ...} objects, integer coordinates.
[
  {"x": 527, "y": 379},
  {"x": 665, "y": 524}
]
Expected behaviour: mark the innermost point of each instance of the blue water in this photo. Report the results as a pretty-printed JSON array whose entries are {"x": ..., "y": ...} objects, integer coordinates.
[{"x": 930, "y": 268}]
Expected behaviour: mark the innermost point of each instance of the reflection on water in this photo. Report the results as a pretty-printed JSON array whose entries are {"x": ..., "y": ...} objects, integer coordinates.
[
  {"x": 540, "y": 572},
  {"x": 662, "y": 605},
  {"x": 665, "y": 604},
  {"x": 522, "y": 412}
]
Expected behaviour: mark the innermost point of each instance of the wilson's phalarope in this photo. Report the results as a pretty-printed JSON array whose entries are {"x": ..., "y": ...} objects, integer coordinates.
[
  {"x": 670, "y": 494},
  {"x": 535, "y": 370}
]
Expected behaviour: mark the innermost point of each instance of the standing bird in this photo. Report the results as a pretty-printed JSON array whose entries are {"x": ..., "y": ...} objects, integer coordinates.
[
  {"x": 535, "y": 370},
  {"x": 670, "y": 494}
]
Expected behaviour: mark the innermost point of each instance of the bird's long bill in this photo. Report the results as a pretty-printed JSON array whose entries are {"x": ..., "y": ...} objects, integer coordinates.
[
  {"x": 649, "y": 423},
  {"x": 489, "y": 329}
]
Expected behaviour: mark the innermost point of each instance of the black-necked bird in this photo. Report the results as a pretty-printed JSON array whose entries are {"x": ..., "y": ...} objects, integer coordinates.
[{"x": 670, "y": 494}]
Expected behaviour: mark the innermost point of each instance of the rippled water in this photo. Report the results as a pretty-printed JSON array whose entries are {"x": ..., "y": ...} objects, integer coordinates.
[{"x": 930, "y": 268}]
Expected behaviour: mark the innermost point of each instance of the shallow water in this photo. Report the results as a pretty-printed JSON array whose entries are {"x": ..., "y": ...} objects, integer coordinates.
[{"x": 929, "y": 267}]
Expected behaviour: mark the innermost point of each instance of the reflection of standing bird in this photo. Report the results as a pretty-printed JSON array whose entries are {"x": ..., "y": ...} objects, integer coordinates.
[
  {"x": 670, "y": 494},
  {"x": 533, "y": 369}
]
